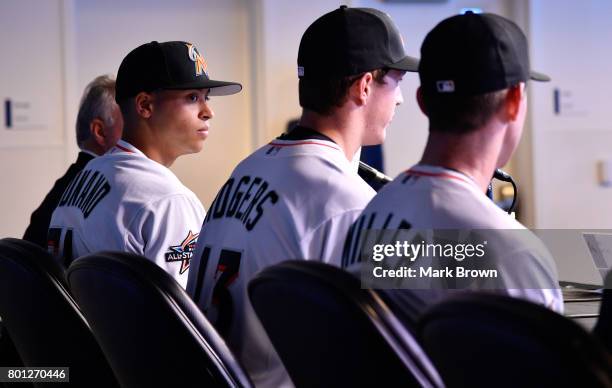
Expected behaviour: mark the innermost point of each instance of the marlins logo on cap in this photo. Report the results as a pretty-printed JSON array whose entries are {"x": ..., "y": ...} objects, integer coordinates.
[
  {"x": 200, "y": 63},
  {"x": 168, "y": 67}
]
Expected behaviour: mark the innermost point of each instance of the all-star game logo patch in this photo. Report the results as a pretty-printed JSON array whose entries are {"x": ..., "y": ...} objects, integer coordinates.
[{"x": 182, "y": 252}]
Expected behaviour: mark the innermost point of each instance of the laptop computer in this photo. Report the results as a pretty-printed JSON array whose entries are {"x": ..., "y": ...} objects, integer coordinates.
[
  {"x": 600, "y": 248},
  {"x": 583, "y": 257}
]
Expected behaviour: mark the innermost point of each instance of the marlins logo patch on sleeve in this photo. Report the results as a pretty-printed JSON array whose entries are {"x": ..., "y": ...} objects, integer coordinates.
[{"x": 183, "y": 251}]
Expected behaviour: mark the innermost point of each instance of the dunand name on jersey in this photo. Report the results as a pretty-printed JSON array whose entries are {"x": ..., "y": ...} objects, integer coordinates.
[{"x": 85, "y": 191}]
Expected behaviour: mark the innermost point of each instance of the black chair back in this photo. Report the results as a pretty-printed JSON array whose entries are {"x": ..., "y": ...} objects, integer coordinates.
[
  {"x": 603, "y": 328},
  {"x": 491, "y": 340},
  {"x": 331, "y": 333},
  {"x": 10, "y": 356},
  {"x": 150, "y": 330},
  {"x": 42, "y": 319}
]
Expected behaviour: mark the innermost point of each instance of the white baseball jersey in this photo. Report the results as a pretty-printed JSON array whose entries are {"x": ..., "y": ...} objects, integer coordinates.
[
  {"x": 124, "y": 201},
  {"x": 291, "y": 199},
  {"x": 427, "y": 197}
]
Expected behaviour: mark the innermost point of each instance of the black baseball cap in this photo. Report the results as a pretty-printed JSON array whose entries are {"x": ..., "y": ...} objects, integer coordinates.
[
  {"x": 474, "y": 54},
  {"x": 350, "y": 41},
  {"x": 167, "y": 65}
]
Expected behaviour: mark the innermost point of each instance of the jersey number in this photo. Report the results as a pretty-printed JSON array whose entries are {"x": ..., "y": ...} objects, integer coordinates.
[{"x": 225, "y": 274}]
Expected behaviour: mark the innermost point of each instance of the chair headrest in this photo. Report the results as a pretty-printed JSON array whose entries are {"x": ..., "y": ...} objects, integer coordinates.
[
  {"x": 151, "y": 282},
  {"x": 33, "y": 258}
]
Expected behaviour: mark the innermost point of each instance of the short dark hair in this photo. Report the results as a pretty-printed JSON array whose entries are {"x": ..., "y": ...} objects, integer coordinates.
[
  {"x": 323, "y": 95},
  {"x": 97, "y": 102},
  {"x": 126, "y": 106},
  {"x": 461, "y": 114}
]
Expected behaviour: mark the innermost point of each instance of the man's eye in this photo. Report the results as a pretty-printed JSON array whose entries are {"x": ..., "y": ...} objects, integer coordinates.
[
  {"x": 206, "y": 98},
  {"x": 194, "y": 97}
]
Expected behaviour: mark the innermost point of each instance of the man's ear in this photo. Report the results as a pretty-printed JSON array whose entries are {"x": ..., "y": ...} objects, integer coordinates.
[
  {"x": 419, "y": 98},
  {"x": 98, "y": 134},
  {"x": 512, "y": 102},
  {"x": 143, "y": 103},
  {"x": 361, "y": 89}
]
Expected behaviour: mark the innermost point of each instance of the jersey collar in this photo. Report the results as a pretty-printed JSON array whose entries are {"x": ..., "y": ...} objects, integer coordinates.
[
  {"x": 303, "y": 133},
  {"x": 326, "y": 148},
  {"x": 89, "y": 152},
  {"x": 123, "y": 146},
  {"x": 292, "y": 143},
  {"x": 438, "y": 172},
  {"x": 300, "y": 135}
]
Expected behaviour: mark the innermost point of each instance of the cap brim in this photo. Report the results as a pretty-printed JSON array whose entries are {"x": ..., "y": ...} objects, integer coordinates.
[
  {"x": 536, "y": 76},
  {"x": 217, "y": 88},
  {"x": 406, "y": 64},
  {"x": 224, "y": 88}
]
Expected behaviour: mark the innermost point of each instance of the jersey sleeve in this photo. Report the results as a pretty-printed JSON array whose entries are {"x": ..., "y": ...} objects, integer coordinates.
[
  {"x": 530, "y": 277},
  {"x": 526, "y": 268},
  {"x": 326, "y": 241},
  {"x": 166, "y": 232}
]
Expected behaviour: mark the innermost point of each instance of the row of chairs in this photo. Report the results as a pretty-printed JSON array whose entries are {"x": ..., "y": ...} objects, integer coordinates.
[
  {"x": 150, "y": 333},
  {"x": 42, "y": 320},
  {"x": 326, "y": 329},
  {"x": 470, "y": 339}
]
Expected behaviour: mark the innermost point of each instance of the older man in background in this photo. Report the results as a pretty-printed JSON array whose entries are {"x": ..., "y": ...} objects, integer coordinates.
[{"x": 98, "y": 127}]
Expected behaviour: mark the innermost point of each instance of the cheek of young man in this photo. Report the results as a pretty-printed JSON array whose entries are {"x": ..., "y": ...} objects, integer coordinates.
[
  {"x": 182, "y": 122},
  {"x": 513, "y": 136},
  {"x": 385, "y": 98}
]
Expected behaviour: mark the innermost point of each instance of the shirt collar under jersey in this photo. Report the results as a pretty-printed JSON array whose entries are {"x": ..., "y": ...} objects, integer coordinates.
[{"x": 302, "y": 133}]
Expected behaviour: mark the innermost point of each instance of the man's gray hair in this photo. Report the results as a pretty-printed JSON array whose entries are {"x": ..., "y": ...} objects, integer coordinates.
[{"x": 97, "y": 102}]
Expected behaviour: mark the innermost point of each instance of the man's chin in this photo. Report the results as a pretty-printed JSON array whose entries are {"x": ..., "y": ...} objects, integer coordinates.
[
  {"x": 196, "y": 148},
  {"x": 373, "y": 142}
]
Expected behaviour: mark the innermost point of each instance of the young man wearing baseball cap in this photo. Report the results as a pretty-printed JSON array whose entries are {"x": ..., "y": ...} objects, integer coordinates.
[
  {"x": 295, "y": 197},
  {"x": 474, "y": 70},
  {"x": 128, "y": 199}
]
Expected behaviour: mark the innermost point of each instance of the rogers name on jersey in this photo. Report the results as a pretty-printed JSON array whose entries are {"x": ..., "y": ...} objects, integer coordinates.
[
  {"x": 85, "y": 191},
  {"x": 247, "y": 206}
]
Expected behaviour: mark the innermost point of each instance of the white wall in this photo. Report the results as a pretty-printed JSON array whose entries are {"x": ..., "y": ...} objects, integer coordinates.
[
  {"x": 570, "y": 42},
  {"x": 32, "y": 72}
]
